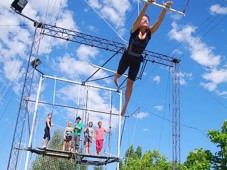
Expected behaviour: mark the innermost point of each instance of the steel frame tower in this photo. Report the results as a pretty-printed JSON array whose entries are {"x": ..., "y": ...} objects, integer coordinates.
[
  {"x": 176, "y": 149},
  {"x": 109, "y": 45},
  {"x": 23, "y": 113}
]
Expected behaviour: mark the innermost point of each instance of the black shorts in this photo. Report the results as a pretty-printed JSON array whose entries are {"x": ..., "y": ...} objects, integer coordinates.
[
  {"x": 46, "y": 133},
  {"x": 131, "y": 62},
  {"x": 68, "y": 138},
  {"x": 88, "y": 138}
]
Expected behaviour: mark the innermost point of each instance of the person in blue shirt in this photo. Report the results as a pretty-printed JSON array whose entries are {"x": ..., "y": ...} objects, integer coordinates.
[{"x": 141, "y": 33}]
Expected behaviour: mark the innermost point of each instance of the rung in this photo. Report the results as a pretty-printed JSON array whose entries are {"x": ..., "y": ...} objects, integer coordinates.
[{"x": 163, "y": 6}]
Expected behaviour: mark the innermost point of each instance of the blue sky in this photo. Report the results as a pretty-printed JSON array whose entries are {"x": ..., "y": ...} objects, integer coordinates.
[{"x": 198, "y": 39}]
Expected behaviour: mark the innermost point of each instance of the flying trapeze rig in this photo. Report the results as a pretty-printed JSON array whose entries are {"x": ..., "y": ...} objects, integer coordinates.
[{"x": 93, "y": 41}]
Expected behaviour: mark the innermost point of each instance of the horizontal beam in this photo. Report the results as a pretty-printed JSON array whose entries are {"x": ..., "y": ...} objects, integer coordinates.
[
  {"x": 94, "y": 41},
  {"x": 80, "y": 83},
  {"x": 70, "y": 107}
]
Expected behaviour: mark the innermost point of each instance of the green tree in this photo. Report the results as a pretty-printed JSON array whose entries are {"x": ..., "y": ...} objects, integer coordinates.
[
  {"x": 55, "y": 163},
  {"x": 199, "y": 159},
  {"x": 138, "y": 152},
  {"x": 220, "y": 139},
  {"x": 135, "y": 160}
]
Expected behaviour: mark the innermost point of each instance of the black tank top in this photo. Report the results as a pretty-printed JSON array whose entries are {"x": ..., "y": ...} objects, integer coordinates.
[
  {"x": 136, "y": 45},
  {"x": 47, "y": 125}
]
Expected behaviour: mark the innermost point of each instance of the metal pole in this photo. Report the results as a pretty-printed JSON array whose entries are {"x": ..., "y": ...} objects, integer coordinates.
[
  {"x": 119, "y": 129},
  {"x": 33, "y": 122}
]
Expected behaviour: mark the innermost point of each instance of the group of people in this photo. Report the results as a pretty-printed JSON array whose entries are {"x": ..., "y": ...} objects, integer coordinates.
[{"x": 73, "y": 135}]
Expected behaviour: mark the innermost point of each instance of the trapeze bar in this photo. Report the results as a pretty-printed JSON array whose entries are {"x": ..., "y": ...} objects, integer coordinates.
[
  {"x": 80, "y": 83},
  {"x": 163, "y": 6},
  {"x": 124, "y": 75}
]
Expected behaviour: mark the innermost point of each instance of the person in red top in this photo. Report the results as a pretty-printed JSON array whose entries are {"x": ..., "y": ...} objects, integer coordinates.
[{"x": 99, "y": 136}]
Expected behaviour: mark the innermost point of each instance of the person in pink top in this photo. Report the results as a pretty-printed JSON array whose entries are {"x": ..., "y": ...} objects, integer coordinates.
[{"x": 99, "y": 136}]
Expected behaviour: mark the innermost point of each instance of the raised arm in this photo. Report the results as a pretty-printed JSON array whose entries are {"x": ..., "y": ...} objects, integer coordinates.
[
  {"x": 156, "y": 25},
  {"x": 136, "y": 24}
]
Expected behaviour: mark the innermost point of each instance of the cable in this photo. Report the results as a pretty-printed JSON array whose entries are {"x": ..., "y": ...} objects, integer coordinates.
[
  {"x": 167, "y": 89},
  {"x": 58, "y": 12},
  {"x": 124, "y": 41}
]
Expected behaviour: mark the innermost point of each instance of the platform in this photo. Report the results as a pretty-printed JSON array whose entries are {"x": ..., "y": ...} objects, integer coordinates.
[{"x": 96, "y": 160}]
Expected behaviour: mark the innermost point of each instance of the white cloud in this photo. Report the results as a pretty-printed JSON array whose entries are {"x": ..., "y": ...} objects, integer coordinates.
[
  {"x": 200, "y": 52},
  {"x": 95, "y": 4},
  {"x": 221, "y": 93},
  {"x": 159, "y": 108},
  {"x": 218, "y": 9},
  {"x": 145, "y": 130},
  {"x": 183, "y": 77},
  {"x": 214, "y": 78},
  {"x": 66, "y": 20},
  {"x": 156, "y": 79},
  {"x": 74, "y": 68},
  {"x": 91, "y": 28},
  {"x": 110, "y": 11},
  {"x": 86, "y": 52},
  {"x": 177, "y": 51},
  {"x": 141, "y": 115}
]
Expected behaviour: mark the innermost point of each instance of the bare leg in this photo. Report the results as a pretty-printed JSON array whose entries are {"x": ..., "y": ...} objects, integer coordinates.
[
  {"x": 86, "y": 148},
  {"x": 63, "y": 147},
  {"x": 43, "y": 143},
  {"x": 128, "y": 93},
  {"x": 69, "y": 145},
  {"x": 116, "y": 77},
  {"x": 89, "y": 147}
]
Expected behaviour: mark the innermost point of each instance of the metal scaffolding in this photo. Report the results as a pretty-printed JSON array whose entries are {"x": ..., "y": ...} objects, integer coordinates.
[
  {"x": 23, "y": 112},
  {"x": 109, "y": 45}
]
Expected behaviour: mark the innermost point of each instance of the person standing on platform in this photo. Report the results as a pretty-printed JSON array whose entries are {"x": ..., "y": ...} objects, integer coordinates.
[
  {"x": 68, "y": 134},
  {"x": 89, "y": 137},
  {"x": 77, "y": 132},
  {"x": 46, "y": 137},
  {"x": 99, "y": 135}
]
